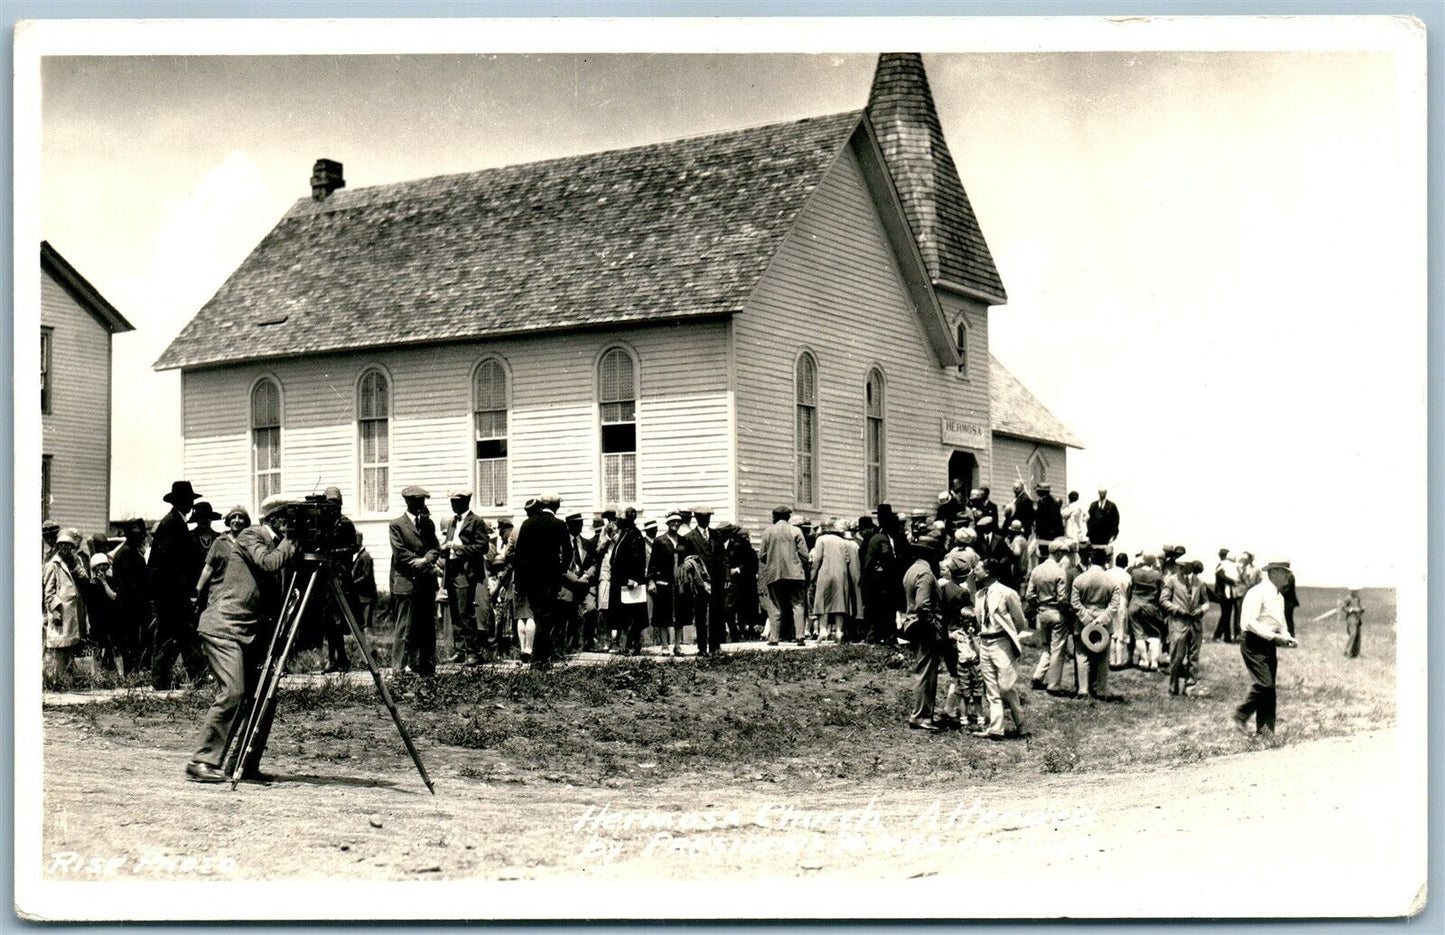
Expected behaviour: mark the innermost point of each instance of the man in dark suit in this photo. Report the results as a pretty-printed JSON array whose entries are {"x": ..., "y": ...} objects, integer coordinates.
[
  {"x": 465, "y": 540},
  {"x": 708, "y": 615},
  {"x": 334, "y": 623},
  {"x": 133, "y": 597},
  {"x": 1048, "y": 515},
  {"x": 415, "y": 553},
  {"x": 174, "y": 568},
  {"x": 992, "y": 546},
  {"x": 1103, "y": 521},
  {"x": 539, "y": 562}
]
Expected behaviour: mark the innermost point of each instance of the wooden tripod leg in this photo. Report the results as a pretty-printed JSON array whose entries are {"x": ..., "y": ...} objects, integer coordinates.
[
  {"x": 339, "y": 597},
  {"x": 270, "y": 685}
]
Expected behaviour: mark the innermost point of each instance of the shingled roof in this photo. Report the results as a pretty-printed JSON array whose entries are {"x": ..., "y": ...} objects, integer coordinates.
[
  {"x": 674, "y": 230},
  {"x": 1019, "y": 413},
  {"x": 900, "y": 107}
]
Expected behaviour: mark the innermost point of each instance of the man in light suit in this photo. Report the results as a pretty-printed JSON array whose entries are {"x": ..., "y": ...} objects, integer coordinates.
[
  {"x": 466, "y": 541},
  {"x": 415, "y": 554},
  {"x": 1095, "y": 599},
  {"x": 782, "y": 569}
]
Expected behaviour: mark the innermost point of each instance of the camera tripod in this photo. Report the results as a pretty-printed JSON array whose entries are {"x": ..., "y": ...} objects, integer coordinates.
[{"x": 314, "y": 576}]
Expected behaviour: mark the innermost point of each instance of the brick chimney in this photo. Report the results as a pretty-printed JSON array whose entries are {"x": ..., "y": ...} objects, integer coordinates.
[
  {"x": 902, "y": 113},
  {"x": 325, "y": 179}
]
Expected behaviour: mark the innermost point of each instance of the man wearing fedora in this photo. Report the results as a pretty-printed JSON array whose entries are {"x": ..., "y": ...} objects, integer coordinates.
[
  {"x": 415, "y": 554},
  {"x": 174, "y": 567},
  {"x": 1262, "y": 631}
]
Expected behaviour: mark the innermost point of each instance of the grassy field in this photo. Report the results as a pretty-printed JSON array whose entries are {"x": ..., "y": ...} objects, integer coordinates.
[{"x": 815, "y": 719}]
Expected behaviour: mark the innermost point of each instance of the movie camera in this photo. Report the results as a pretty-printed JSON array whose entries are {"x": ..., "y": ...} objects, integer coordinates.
[{"x": 316, "y": 526}]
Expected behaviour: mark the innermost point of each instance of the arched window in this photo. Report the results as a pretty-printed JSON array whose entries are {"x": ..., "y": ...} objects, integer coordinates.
[
  {"x": 373, "y": 427},
  {"x": 873, "y": 392},
  {"x": 960, "y": 338},
  {"x": 489, "y": 416},
  {"x": 806, "y": 400},
  {"x": 266, "y": 438},
  {"x": 617, "y": 407},
  {"x": 1038, "y": 469}
]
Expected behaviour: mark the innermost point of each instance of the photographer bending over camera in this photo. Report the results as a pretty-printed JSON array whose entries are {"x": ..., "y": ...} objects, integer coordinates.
[{"x": 235, "y": 632}]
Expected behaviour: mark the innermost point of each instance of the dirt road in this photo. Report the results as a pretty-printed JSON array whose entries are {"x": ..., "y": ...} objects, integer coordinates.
[{"x": 1315, "y": 828}]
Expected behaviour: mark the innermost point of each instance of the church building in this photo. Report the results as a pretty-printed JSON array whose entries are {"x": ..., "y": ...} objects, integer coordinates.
[{"x": 795, "y": 313}]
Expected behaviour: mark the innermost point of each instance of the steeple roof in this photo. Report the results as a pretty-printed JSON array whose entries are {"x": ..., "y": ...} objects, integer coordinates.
[{"x": 901, "y": 110}]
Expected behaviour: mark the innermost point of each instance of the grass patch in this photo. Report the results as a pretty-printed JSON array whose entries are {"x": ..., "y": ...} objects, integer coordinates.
[{"x": 824, "y": 718}]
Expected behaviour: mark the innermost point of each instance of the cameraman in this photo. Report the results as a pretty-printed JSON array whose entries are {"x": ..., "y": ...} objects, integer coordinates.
[{"x": 235, "y": 634}]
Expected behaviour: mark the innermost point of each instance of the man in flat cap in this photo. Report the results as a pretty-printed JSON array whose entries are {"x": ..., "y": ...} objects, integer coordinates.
[
  {"x": 1262, "y": 631},
  {"x": 415, "y": 555},
  {"x": 235, "y": 633},
  {"x": 466, "y": 542},
  {"x": 174, "y": 568}
]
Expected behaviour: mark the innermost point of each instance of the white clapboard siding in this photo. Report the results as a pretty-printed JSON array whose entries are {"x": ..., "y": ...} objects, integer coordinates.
[
  {"x": 554, "y": 442},
  {"x": 1011, "y": 461},
  {"x": 835, "y": 288},
  {"x": 76, "y": 432}
]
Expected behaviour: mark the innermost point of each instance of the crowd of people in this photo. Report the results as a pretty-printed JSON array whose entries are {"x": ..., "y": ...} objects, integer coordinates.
[{"x": 966, "y": 585}]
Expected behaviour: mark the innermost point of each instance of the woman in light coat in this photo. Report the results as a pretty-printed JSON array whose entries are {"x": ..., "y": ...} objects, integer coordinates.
[
  {"x": 64, "y": 606},
  {"x": 835, "y": 581}
]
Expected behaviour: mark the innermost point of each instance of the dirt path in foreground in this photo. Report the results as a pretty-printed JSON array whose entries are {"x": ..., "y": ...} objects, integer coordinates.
[{"x": 1318, "y": 828}]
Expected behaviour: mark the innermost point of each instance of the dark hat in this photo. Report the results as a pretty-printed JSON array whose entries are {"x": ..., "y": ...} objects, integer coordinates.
[
  {"x": 783, "y": 510},
  {"x": 412, "y": 491},
  {"x": 865, "y": 522},
  {"x": 574, "y": 517},
  {"x": 504, "y": 523},
  {"x": 928, "y": 543},
  {"x": 50, "y": 526},
  {"x": 332, "y": 493},
  {"x": 531, "y": 504},
  {"x": 181, "y": 490},
  {"x": 884, "y": 509},
  {"x": 203, "y": 512},
  {"x": 1042, "y": 487}
]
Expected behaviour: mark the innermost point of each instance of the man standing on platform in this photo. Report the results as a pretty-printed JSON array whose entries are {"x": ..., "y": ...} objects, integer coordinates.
[
  {"x": 465, "y": 540},
  {"x": 1021, "y": 510},
  {"x": 415, "y": 553},
  {"x": 1103, "y": 521},
  {"x": 174, "y": 568},
  {"x": 1048, "y": 517}
]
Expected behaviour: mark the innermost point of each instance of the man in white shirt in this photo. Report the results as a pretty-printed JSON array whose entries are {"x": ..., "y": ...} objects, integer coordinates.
[{"x": 1262, "y": 631}]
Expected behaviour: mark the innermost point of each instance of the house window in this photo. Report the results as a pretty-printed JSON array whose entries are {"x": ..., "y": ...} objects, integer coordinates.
[
  {"x": 877, "y": 490},
  {"x": 617, "y": 398},
  {"x": 960, "y": 338},
  {"x": 1038, "y": 469},
  {"x": 46, "y": 339},
  {"x": 489, "y": 416},
  {"x": 266, "y": 438},
  {"x": 45, "y": 486},
  {"x": 373, "y": 426},
  {"x": 805, "y": 382}
]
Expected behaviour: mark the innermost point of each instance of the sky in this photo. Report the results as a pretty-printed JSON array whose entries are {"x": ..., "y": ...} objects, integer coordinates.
[{"x": 1215, "y": 260}]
